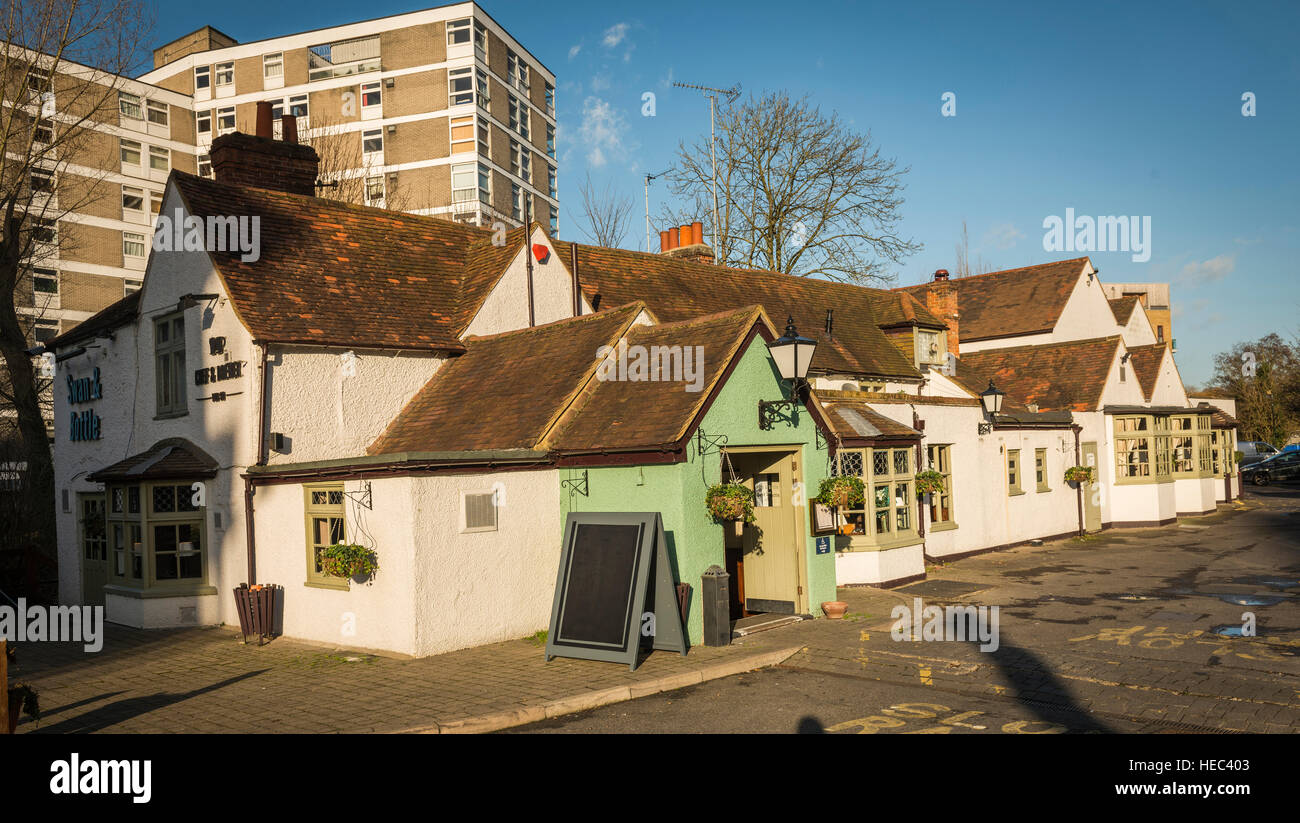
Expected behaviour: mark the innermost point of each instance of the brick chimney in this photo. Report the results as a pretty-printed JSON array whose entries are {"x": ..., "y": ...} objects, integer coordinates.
[
  {"x": 941, "y": 300},
  {"x": 262, "y": 161},
  {"x": 686, "y": 242}
]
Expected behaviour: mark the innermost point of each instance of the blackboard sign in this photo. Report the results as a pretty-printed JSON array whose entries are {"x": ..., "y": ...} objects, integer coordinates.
[{"x": 607, "y": 563}]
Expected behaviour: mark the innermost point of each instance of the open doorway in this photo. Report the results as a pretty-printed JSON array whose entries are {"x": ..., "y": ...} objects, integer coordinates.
[{"x": 765, "y": 559}]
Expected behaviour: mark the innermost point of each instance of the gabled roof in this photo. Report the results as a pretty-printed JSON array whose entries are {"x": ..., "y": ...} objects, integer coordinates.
[
  {"x": 625, "y": 414},
  {"x": 507, "y": 390},
  {"x": 335, "y": 273},
  {"x": 567, "y": 404},
  {"x": 678, "y": 289},
  {"x": 1146, "y": 362},
  {"x": 1069, "y": 376},
  {"x": 113, "y": 316},
  {"x": 172, "y": 459},
  {"x": 1012, "y": 302},
  {"x": 1122, "y": 308}
]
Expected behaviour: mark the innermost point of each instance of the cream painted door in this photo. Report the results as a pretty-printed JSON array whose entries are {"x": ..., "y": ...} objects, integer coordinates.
[
  {"x": 94, "y": 548},
  {"x": 771, "y": 553},
  {"x": 1091, "y": 492}
]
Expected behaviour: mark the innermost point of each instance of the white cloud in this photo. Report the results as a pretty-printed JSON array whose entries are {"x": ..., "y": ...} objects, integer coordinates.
[
  {"x": 602, "y": 132},
  {"x": 614, "y": 35},
  {"x": 599, "y": 82},
  {"x": 1002, "y": 236},
  {"x": 1208, "y": 271},
  {"x": 574, "y": 49}
]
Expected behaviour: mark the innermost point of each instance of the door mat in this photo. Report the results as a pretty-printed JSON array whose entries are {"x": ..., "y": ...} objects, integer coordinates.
[
  {"x": 941, "y": 589},
  {"x": 762, "y": 622}
]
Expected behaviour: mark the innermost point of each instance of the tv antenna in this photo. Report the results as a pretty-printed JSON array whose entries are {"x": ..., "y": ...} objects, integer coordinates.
[
  {"x": 648, "y": 179},
  {"x": 731, "y": 94}
]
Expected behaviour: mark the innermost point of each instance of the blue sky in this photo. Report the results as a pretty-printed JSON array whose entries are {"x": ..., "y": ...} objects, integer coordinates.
[{"x": 1109, "y": 108}]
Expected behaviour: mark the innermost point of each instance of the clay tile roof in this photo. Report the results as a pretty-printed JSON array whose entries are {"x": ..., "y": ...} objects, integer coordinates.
[
  {"x": 677, "y": 289},
  {"x": 1067, "y": 376},
  {"x": 855, "y": 419},
  {"x": 506, "y": 391},
  {"x": 1012, "y": 302},
  {"x": 342, "y": 274},
  {"x": 627, "y": 414},
  {"x": 1146, "y": 362},
  {"x": 114, "y": 316},
  {"x": 1122, "y": 308},
  {"x": 172, "y": 459}
]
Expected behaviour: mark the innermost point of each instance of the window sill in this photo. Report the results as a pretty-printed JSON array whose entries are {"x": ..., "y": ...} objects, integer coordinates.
[
  {"x": 171, "y": 415},
  {"x": 340, "y": 586},
  {"x": 1042, "y": 489},
  {"x": 946, "y": 526},
  {"x": 191, "y": 590},
  {"x": 1015, "y": 492},
  {"x": 865, "y": 544}
]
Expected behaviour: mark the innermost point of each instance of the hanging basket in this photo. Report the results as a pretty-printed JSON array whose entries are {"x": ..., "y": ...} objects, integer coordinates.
[
  {"x": 730, "y": 503},
  {"x": 841, "y": 492}
]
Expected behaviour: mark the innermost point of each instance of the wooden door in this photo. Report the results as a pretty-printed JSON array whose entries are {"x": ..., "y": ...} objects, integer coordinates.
[
  {"x": 1091, "y": 492},
  {"x": 770, "y": 544},
  {"x": 94, "y": 548}
]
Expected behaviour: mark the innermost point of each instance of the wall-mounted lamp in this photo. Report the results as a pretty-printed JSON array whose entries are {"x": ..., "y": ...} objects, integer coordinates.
[
  {"x": 793, "y": 355},
  {"x": 991, "y": 399}
]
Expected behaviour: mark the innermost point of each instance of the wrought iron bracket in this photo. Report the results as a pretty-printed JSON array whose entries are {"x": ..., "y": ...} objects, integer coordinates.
[
  {"x": 365, "y": 497},
  {"x": 769, "y": 411},
  {"x": 985, "y": 428},
  {"x": 576, "y": 486},
  {"x": 706, "y": 443}
]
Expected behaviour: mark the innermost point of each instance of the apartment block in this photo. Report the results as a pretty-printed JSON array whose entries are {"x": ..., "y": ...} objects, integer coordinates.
[
  {"x": 93, "y": 211},
  {"x": 438, "y": 112},
  {"x": 1154, "y": 298}
]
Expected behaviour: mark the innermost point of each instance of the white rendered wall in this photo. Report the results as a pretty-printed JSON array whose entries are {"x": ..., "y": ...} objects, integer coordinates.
[
  {"x": 875, "y": 567},
  {"x": 506, "y": 306}
]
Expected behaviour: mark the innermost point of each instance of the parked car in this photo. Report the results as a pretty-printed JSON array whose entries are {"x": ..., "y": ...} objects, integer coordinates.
[
  {"x": 1283, "y": 467},
  {"x": 1254, "y": 451}
]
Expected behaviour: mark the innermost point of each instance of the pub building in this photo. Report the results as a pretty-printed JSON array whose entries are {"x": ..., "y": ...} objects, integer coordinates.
[{"x": 407, "y": 384}]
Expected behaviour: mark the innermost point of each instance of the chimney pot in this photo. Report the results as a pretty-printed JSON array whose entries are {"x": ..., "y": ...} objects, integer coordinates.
[
  {"x": 673, "y": 238},
  {"x": 941, "y": 274},
  {"x": 663, "y": 242},
  {"x": 289, "y": 128},
  {"x": 697, "y": 233},
  {"x": 264, "y": 112}
]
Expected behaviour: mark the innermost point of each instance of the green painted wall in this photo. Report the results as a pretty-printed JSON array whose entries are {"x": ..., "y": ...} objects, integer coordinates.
[{"x": 677, "y": 490}]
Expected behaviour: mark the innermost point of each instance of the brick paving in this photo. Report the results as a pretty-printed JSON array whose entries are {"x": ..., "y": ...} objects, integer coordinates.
[{"x": 1113, "y": 632}]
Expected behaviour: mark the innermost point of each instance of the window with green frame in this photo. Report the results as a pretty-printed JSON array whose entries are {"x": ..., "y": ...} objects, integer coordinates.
[
  {"x": 325, "y": 521},
  {"x": 941, "y": 513},
  {"x": 1040, "y": 470},
  {"x": 1013, "y": 472},
  {"x": 1132, "y": 447},
  {"x": 887, "y": 514},
  {"x": 156, "y": 536}
]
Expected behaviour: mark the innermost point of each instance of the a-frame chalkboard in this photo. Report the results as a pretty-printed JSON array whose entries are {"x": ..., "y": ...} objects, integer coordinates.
[{"x": 606, "y": 564}]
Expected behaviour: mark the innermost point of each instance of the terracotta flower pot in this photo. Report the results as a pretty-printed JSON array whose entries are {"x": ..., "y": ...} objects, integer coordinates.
[{"x": 835, "y": 609}]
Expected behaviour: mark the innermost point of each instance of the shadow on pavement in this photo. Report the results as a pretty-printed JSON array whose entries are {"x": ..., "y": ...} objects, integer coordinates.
[
  {"x": 1037, "y": 689},
  {"x": 121, "y": 710}
]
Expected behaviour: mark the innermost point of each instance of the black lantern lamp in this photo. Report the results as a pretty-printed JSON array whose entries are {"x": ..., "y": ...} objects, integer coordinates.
[
  {"x": 793, "y": 355},
  {"x": 991, "y": 398}
]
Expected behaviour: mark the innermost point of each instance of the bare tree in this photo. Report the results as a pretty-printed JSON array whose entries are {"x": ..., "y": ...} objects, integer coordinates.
[
  {"x": 62, "y": 63},
  {"x": 798, "y": 192},
  {"x": 608, "y": 214},
  {"x": 346, "y": 170},
  {"x": 963, "y": 258}
]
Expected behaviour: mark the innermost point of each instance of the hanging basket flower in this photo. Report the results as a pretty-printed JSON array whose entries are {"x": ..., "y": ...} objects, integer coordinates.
[
  {"x": 349, "y": 560},
  {"x": 841, "y": 492},
  {"x": 929, "y": 482},
  {"x": 1078, "y": 474},
  {"x": 730, "y": 502}
]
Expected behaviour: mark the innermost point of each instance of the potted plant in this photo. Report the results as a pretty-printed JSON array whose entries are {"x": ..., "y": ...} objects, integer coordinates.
[
  {"x": 835, "y": 609},
  {"x": 1078, "y": 474},
  {"x": 841, "y": 492},
  {"x": 928, "y": 482},
  {"x": 730, "y": 502},
  {"x": 24, "y": 698},
  {"x": 349, "y": 560}
]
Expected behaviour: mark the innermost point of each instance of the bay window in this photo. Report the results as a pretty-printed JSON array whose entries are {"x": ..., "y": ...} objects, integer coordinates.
[
  {"x": 156, "y": 535},
  {"x": 886, "y": 515}
]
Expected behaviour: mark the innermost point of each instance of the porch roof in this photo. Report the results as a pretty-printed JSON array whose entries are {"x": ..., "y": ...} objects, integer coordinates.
[{"x": 172, "y": 459}]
